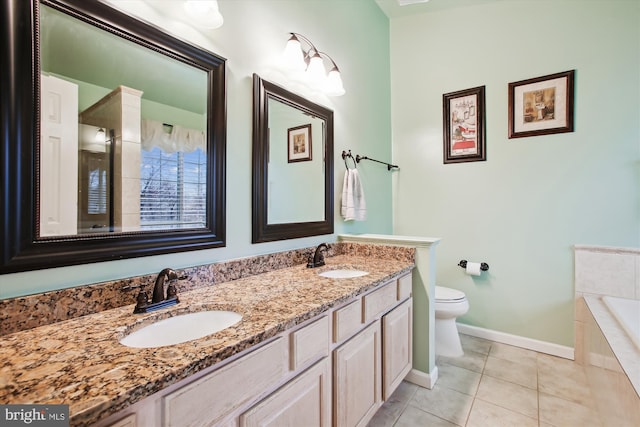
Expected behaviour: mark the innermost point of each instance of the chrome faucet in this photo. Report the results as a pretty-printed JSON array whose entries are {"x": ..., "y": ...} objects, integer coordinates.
[{"x": 318, "y": 256}]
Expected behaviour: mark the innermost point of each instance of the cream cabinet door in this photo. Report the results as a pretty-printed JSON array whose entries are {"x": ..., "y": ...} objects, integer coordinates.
[
  {"x": 396, "y": 346},
  {"x": 304, "y": 401},
  {"x": 356, "y": 377}
]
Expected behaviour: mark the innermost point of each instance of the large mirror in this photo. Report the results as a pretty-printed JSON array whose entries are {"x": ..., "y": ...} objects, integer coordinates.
[
  {"x": 114, "y": 138},
  {"x": 292, "y": 165}
]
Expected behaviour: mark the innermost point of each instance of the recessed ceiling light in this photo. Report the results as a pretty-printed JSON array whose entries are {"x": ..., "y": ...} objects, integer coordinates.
[{"x": 407, "y": 2}]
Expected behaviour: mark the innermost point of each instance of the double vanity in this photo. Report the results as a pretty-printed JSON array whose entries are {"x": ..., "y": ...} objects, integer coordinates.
[
  {"x": 251, "y": 339},
  {"x": 300, "y": 346}
]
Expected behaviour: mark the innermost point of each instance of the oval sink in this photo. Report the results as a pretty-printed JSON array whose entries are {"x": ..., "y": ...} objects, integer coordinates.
[
  {"x": 343, "y": 274},
  {"x": 181, "y": 328}
]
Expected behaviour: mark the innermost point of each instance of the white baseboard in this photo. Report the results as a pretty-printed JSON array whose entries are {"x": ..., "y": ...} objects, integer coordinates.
[
  {"x": 423, "y": 379},
  {"x": 518, "y": 341}
]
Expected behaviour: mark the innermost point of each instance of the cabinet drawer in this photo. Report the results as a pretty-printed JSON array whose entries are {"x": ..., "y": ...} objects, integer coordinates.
[
  {"x": 378, "y": 301},
  {"x": 347, "y": 320},
  {"x": 404, "y": 287},
  {"x": 212, "y": 397},
  {"x": 304, "y": 401},
  {"x": 309, "y": 343}
]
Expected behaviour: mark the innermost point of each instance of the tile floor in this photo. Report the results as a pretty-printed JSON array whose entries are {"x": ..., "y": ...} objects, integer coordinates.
[{"x": 493, "y": 385}]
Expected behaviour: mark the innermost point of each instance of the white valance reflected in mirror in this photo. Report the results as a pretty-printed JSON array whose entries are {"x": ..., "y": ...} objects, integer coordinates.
[
  {"x": 145, "y": 166},
  {"x": 296, "y": 188}
]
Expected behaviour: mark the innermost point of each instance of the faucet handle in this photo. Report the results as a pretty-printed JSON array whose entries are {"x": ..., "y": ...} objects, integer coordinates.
[
  {"x": 142, "y": 301},
  {"x": 172, "y": 292}
]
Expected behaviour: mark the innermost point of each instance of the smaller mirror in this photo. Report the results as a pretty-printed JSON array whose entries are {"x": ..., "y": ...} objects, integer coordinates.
[{"x": 292, "y": 165}]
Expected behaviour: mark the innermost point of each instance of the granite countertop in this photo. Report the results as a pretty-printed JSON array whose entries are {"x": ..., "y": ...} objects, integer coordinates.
[{"x": 80, "y": 362}]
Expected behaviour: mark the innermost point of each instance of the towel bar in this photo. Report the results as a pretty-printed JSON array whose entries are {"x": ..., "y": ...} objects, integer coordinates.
[{"x": 359, "y": 157}]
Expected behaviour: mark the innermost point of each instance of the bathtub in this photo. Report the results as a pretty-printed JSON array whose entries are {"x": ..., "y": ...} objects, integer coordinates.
[
  {"x": 627, "y": 313},
  {"x": 612, "y": 357}
]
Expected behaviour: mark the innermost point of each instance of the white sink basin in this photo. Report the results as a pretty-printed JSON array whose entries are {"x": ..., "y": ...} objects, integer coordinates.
[
  {"x": 181, "y": 328},
  {"x": 343, "y": 274}
]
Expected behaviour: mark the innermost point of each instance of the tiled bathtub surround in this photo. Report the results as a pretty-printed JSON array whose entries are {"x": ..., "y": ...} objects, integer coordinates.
[
  {"x": 22, "y": 313},
  {"x": 607, "y": 271},
  {"x": 602, "y": 271},
  {"x": 611, "y": 359}
]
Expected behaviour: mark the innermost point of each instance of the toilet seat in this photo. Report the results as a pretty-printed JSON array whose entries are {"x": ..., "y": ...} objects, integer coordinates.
[{"x": 448, "y": 295}]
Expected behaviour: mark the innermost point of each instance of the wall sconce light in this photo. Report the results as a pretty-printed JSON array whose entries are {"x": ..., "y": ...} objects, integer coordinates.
[
  {"x": 310, "y": 62},
  {"x": 204, "y": 13}
]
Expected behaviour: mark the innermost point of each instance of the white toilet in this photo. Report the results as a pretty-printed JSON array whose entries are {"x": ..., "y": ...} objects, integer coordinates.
[{"x": 449, "y": 304}]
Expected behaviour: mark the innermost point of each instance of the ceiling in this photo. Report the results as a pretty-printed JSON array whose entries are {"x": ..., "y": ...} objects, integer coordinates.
[
  {"x": 75, "y": 50},
  {"x": 393, "y": 9}
]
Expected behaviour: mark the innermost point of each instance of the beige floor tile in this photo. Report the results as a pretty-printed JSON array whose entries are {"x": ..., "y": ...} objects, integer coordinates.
[
  {"x": 471, "y": 360},
  {"x": 485, "y": 414},
  {"x": 475, "y": 344},
  {"x": 444, "y": 403},
  {"x": 384, "y": 418},
  {"x": 514, "y": 354},
  {"x": 574, "y": 388},
  {"x": 563, "y": 378},
  {"x": 507, "y": 370},
  {"x": 517, "y": 387},
  {"x": 509, "y": 395},
  {"x": 391, "y": 410},
  {"x": 548, "y": 363},
  {"x": 413, "y": 417},
  {"x": 563, "y": 413},
  {"x": 404, "y": 392},
  {"x": 458, "y": 379}
]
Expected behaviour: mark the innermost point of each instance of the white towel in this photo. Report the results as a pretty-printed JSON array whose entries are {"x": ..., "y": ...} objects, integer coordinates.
[{"x": 354, "y": 206}]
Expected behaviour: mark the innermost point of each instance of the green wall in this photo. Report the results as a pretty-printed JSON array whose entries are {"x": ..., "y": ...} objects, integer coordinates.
[
  {"x": 521, "y": 211},
  {"x": 252, "y": 38},
  {"x": 524, "y": 208}
]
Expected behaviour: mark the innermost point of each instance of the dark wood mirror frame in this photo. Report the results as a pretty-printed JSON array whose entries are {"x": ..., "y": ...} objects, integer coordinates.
[
  {"x": 22, "y": 249},
  {"x": 262, "y": 230}
]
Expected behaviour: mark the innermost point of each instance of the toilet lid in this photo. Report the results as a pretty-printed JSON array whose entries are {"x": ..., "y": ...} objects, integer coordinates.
[{"x": 448, "y": 294}]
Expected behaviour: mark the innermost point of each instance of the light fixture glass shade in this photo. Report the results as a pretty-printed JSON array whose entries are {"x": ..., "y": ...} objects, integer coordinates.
[
  {"x": 101, "y": 135},
  {"x": 204, "y": 13},
  {"x": 293, "y": 55},
  {"x": 316, "y": 71},
  {"x": 334, "y": 85},
  {"x": 305, "y": 66}
]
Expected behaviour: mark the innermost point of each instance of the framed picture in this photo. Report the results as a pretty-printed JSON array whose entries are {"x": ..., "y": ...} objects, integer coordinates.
[
  {"x": 541, "y": 106},
  {"x": 464, "y": 123},
  {"x": 299, "y": 143}
]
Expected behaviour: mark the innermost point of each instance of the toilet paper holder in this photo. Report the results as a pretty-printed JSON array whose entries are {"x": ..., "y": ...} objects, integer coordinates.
[{"x": 483, "y": 265}]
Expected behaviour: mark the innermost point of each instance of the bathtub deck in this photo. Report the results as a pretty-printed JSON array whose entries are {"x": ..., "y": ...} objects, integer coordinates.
[{"x": 626, "y": 352}]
